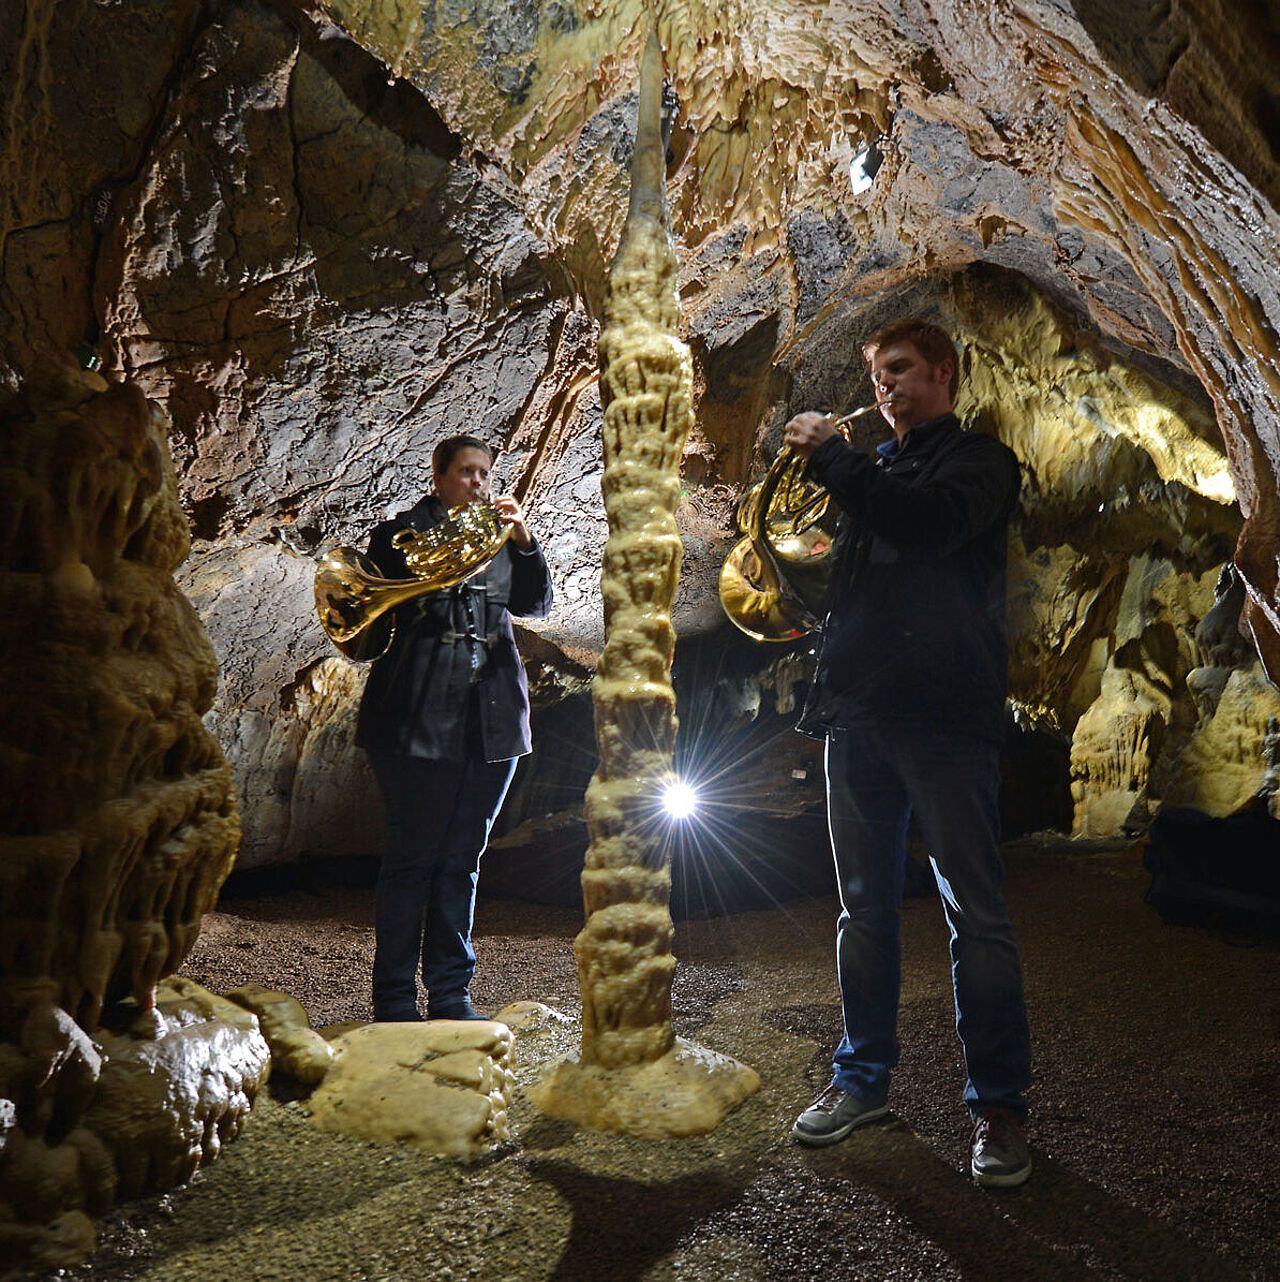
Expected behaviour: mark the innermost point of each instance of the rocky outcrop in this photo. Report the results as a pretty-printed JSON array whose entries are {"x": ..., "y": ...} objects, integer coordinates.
[
  {"x": 1225, "y": 767},
  {"x": 302, "y": 241},
  {"x": 442, "y": 1086},
  {"x": 119, "y": 826},
  {"x": 1126, "y": 741},
  {"x": 119, "y": 819},
  {"x": 136, "y": 1110}
]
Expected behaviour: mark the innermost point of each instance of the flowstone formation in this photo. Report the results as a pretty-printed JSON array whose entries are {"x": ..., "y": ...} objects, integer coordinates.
[
  {"x": 634, "y": 1074},
  {"x": 119, "y": 820},
  {"x": 441, "y": 1086},
  {"x": 118, "y": 824}
]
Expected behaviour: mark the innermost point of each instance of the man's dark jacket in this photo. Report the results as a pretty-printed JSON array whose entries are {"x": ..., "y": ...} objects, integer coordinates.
[
  {"x": 453, "y": 654},
  {"x": 916, "y": 631}
]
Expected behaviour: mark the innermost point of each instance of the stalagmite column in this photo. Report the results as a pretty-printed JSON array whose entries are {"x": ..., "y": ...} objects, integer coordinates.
[{"x": 633, "y": 1074}]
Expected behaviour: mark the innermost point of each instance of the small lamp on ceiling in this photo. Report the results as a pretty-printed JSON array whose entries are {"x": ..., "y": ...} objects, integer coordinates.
[{"x": 864, "y": 166}]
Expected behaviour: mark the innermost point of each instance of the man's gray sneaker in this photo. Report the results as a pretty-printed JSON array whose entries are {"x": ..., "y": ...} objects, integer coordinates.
[
  {"x": 833, "y": 1115},
  {"x": 998, "y": 1153}
]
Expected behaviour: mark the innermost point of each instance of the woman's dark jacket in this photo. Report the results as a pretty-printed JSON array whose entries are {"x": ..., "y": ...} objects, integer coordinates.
[
  {"x": 452, "y": 686},
  {"x": 916, "y": 633}
]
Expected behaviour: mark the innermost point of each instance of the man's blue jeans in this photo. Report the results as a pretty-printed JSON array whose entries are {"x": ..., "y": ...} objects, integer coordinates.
[
  {"x": 877, "y": 776},
  {"x": 439, "y": 814}
]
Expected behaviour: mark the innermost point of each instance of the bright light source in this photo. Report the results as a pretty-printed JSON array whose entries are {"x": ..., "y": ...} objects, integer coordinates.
[
  {"x": 679, "y": 800},
  {"x": 863, "y": 169}
]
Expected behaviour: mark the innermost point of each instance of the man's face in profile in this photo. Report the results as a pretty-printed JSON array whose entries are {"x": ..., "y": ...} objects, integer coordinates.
[{"x": 908, "y": 389}]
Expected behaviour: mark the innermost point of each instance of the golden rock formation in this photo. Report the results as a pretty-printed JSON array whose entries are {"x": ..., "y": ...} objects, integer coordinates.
[
  {"x": 177, "y": 1085},
  {"x": 633, "y": 1073},
  {"x": 442, "y": 1085},
  {"x": 119, "y": 824},
  {"x": 1222, "y": 769},
  {"x": 135, "y": 1111},
  {"x": 296, "y": 1048},
  {"x": 120, "y": 821},
  {"x": 1126, "y": 741}
]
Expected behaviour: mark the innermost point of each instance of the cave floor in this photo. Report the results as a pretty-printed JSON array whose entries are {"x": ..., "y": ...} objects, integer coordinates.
[{"x": 1155, "y": 1127}]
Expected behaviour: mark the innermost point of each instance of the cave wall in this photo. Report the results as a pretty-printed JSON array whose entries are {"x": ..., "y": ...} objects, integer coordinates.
[{"x": 319, "y": 236}]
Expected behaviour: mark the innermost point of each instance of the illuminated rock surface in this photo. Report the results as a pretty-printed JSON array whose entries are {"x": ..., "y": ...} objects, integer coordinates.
[
  {"x": 119, "y": 820},
  {"x": 1223, "y": 767},
  {"x": 442, "y": 1086},
  {"x": 320, "y": 236},
  {"x": 119, "y": 817},
  {"x": 296, "y": 1048},
  {"x": 137, "y": 1110},
  {"x": 176, "y": 1086},
  {"x": 323, "y": 236}
]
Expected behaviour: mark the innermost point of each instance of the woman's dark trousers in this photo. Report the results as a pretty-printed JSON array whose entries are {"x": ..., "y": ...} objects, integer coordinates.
[{"x": 439, "y": 814}]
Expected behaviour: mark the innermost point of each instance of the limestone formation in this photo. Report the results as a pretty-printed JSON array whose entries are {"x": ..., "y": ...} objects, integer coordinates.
[
  {"x": 1224, "y": 767},
  {"x": 1229, "y": 764},
  {"x": 178, "y": 1083},
  {"x": 304, "y": 241},
  {"x": 323, "y": 235},
  {"x": 625, "y": 963},
  {"x": 296, "y": 1048},
  {"x": 119, "y": 818},
  {"x": 137, "y": 1110},
  {"x": 119, "y": 821},
  {"x": 1125, "y": 743},
  {"x": 442, "y": 1086}
]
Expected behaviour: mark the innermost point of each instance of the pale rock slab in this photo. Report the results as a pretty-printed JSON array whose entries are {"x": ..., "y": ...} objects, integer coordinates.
[{"x": 442, "y": 1086}]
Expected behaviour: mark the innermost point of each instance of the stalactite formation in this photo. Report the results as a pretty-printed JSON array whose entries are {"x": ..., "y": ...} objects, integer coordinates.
[
  {"x": 646, "y": 384},
  {"x": 625, "y": 963}
]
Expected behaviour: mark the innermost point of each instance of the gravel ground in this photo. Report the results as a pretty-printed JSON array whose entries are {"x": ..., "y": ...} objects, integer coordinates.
[{"x": 1155, "y": 1126}]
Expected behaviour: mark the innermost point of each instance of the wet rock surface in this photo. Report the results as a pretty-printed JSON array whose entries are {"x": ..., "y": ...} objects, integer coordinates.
[{"x": 1154, "y": 1126}]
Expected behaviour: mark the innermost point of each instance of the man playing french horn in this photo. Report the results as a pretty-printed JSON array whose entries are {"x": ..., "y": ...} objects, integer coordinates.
[
  {"x": 444, "y": 716},
  {"x": 909, "y": 694}
]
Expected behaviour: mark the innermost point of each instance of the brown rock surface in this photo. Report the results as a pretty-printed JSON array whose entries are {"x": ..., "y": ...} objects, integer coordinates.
[
  {"x": 320, "y": 235},
  {"x": 119, "y": 820}
]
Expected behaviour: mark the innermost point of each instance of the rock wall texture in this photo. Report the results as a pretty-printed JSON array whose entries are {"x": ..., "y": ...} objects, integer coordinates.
[
  {"x": 119, "y": 818},
  {"x": 302, "y": 239},
  {"x": 322, "y": 234}
]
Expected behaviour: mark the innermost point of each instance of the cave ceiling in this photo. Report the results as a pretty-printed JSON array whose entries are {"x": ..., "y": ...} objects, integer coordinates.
[{"x": 324, "y": 234}]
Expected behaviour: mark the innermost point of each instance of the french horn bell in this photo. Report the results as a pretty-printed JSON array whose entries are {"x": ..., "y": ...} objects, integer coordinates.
[
  {"x": 353, "y": 599},
  {"x": 773, "y": 583}
]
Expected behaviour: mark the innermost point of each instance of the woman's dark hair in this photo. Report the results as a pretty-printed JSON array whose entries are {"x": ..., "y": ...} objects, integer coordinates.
[
  {"x": 931, "y": 341},
  {"x": 449, "y": 449}
]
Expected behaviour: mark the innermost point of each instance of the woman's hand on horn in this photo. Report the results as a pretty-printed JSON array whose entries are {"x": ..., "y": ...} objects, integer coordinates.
[{"x": 512, "y": 514}]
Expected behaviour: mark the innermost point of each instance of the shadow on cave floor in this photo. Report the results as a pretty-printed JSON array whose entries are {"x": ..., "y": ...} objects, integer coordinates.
[{"x": 1155, "y": 1126}]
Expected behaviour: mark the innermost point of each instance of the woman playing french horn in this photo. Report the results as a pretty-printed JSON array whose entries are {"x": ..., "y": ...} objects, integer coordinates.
[{"x": 444, "y": 716}]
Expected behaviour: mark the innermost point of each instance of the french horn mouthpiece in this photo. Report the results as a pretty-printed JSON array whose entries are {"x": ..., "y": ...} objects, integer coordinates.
[{"x": 863, "y": 409}]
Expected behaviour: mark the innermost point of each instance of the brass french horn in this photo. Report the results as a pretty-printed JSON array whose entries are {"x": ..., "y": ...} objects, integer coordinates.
[
  {"x": 774, "y": 581},
  {"x": 352, "y": 598}
]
